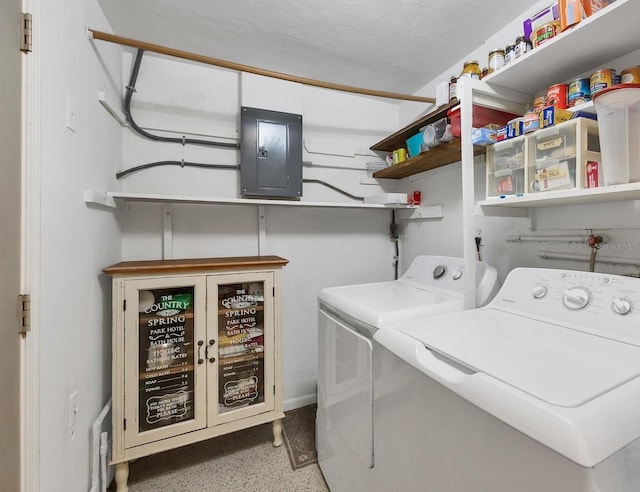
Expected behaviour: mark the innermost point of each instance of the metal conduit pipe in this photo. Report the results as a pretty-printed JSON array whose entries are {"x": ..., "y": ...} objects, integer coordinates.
[
  {"x": 131, "y": 88},
  {"x": 558, "y": 255},
  {"x": 148, "y": 165},
  {"x": 546, "y": 238}
]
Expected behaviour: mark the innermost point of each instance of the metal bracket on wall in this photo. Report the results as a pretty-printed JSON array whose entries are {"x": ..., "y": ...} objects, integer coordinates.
[
  {"x": 167, "y": 233},
  {"x": 262, "y": 228}
]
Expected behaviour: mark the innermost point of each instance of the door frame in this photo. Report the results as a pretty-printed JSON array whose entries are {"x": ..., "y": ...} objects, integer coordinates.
[{"x": 30, "y": 253}]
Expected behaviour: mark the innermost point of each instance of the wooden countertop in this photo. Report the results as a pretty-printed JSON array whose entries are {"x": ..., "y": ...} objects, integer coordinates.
[{"x": 192, "y": 264}]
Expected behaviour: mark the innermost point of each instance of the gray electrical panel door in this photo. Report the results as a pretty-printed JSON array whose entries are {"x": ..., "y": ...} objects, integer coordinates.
[{"x": 270, "y": 154}]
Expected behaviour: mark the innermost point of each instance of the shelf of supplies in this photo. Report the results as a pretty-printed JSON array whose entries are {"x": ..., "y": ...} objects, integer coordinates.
[
  {"x": 608, "y": 34},
  {"x": 613, "y": 193},
  {"x": 117, "y": 199},
  {"x": 398, "y": 139},
  {"x": 435, "y": 157}
]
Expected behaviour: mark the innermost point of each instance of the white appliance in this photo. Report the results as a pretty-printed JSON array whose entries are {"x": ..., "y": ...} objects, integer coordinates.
[
  {"x": 537, "y": 391},
  {"x": 348, "y": 318}
]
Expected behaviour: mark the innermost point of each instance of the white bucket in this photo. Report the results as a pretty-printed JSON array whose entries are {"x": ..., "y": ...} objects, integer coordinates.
[{"x": 618, "y": 109}]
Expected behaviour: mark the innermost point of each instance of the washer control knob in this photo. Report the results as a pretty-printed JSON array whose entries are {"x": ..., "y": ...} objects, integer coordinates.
[
  {"x": 539, "y": 291},
  {"x": 576, "y": 298},
  {"x": 457, "y": 274},
  {"x": 439, "y": 271},
  {"x": 621, "y": 305}
]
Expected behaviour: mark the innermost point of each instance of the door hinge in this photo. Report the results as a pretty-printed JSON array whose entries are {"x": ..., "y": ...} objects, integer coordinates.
[
  {"x": 26, "y": 32},
  {"x": 124, "y": 424},
  {"x": 25, "y": 314},
  {"x": 124, "y": 305},
  {"x": 274, "y": 389}
]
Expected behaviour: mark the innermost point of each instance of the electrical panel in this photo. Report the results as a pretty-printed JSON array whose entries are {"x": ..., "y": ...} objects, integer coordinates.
[{"x": 270, "y": 154}]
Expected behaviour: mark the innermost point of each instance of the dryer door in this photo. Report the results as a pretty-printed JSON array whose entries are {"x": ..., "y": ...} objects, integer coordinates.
[{"x": 345, "y": 391}]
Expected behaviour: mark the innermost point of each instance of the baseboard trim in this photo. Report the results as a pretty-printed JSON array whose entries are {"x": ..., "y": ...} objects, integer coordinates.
[{"x": 299, "y": 402}]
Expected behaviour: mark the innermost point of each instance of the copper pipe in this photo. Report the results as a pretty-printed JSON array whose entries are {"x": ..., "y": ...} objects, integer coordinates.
[{"x": 142, "y": 45}]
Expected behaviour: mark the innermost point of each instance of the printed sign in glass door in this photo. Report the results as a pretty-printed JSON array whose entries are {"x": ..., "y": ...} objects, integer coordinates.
[
  {"x": 166, "y": 357},
  {"x": 241, "y": 345}
]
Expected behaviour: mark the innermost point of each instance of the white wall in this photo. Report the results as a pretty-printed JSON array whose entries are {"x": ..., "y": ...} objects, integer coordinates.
[
  {"x": 76, "y": 241},
  {"x": 324, "y": 246}
]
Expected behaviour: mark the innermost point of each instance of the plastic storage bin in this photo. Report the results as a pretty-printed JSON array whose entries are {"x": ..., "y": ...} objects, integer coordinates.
[
  {"x": 558, "y": 155},
  {"x": 506, "y": 163},
  {"x": 618, "y": 111},
  {"x": 481, "y": 117},
  {"x": 414, "y": 145}
]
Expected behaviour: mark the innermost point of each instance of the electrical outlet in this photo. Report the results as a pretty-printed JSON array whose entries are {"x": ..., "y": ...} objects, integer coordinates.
[{"x": 73, "y": 411}]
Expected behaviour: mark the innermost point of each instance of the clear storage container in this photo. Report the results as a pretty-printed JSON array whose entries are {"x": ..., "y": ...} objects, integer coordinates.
[
  {"x": 506, "y": 162},
  {"x": 558, "y": 155}
]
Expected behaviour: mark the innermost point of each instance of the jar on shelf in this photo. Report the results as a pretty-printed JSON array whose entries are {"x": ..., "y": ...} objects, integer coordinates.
[
  {"x": 521, "y": 47},
  {"x": 509, "y": 53},
  {"x": 453, "y": 88},
  {"x": 496, "y": 59},
  {"x": 471, "y": 69}
]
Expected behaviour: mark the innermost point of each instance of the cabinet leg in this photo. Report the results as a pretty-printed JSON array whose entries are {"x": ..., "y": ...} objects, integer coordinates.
[
  {"x": 122, "y": 476},
  {"x": 277, "y": 433}
]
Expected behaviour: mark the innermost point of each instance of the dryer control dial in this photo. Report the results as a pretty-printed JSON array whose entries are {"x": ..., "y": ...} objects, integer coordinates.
[
  {"x": 576, "y": 298},
  {"x": 539, "y": 291},
  {"x": 457, "y": 274},
  {"x": 621, "y": 305},
  {"x": 439, "y": 271}
]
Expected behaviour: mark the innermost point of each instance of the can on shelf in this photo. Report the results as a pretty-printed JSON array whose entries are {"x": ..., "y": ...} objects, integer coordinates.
[
  {"x": 557, "y": 96},
  {"x": 579, "y": 92},
  {"x": 544, "y": 33},
  {"x": 540, "y": 101},
  {"x": 630, "y": 75},
  {"x": 601, "y": 79},
  {"x": 531, "y": 121}
]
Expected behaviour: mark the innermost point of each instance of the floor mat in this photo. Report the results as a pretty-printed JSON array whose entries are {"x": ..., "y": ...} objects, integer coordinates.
[{"x": 299, "y": 430}]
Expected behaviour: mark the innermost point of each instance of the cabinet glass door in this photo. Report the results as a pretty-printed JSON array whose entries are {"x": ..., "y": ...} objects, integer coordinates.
[
  {"x": 244, "y": 330},
  {"x": 164, "y": 351}
]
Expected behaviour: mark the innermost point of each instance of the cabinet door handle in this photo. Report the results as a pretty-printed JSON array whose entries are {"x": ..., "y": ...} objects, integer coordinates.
[
  {"x": 200, "y": 359},
  {"x": 206, "y": 351}
]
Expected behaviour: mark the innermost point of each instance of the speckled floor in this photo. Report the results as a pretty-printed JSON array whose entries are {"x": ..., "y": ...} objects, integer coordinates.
[{"x": 244, "y": 461}]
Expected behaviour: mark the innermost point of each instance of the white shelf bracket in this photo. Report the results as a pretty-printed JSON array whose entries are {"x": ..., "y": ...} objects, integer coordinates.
[
  {"x": 109, "y": 106},
  {"x": 262, "y": 229},
  {"x": 167, "y": 232},
  {"x": 421, "y": 213},
  {"x": 102, "y": 198}
]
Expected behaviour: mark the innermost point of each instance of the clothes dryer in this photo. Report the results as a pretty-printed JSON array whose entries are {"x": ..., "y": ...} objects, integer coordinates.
[{"x": 348, "y": 318}]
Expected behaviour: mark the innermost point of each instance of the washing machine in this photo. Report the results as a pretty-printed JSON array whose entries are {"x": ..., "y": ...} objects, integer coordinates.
[
  {"x": 538, "y": 391},
  {"x": 348, "y": 318}
]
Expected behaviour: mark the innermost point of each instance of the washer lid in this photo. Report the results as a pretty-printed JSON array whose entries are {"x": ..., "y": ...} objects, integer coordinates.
[
  {"x": 557, "y": 364},
  {"x": 382, "y": 303}
]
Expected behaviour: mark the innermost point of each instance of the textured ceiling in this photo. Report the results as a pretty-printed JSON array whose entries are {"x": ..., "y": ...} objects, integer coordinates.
[{"x": 390, "y": 45}]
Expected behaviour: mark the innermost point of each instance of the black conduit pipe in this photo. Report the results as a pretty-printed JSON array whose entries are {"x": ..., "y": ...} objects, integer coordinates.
[
  {"x": 334, "y": 188},
  {"x": 149, "y": 165},
  {"x": 127, "y": 111},
  {"x": 122, "y": 174}
]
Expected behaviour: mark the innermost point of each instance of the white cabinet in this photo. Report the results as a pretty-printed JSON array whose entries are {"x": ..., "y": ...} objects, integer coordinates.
[{"x": 196, "y": 352}]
